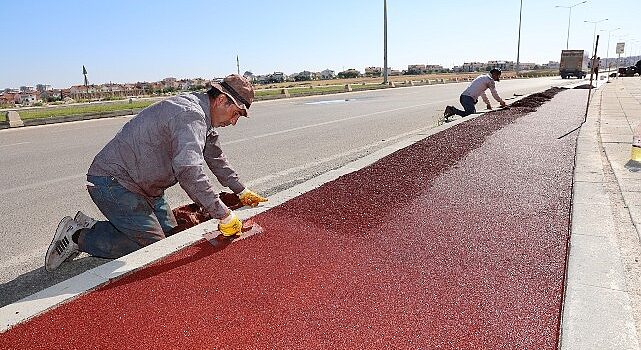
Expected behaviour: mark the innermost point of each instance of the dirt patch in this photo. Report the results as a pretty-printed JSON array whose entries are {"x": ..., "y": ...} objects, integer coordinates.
[
  {"x": 584, "y": 86},
  {"x": 532, "y": 102},
  {"x": 192, "y": 214}
]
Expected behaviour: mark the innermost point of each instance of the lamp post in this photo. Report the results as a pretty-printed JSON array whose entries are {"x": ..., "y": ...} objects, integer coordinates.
[
  {"x": 518, "y": 45},
  {"x": 633, "y": 44},
  {"x": 384, "y": 41},
  {"x": 607, "y": 52},
  {"x": 567, "y": 43},
  {"x": 594, "y": 35}
]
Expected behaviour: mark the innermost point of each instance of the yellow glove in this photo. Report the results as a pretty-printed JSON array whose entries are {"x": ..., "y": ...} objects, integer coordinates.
[
  {"x": 230, "y": 225},
  {"x": 251, "y": 198}
]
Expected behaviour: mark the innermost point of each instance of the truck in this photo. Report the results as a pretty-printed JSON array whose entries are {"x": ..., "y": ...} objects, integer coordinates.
[{"x": 573, "y": 64}]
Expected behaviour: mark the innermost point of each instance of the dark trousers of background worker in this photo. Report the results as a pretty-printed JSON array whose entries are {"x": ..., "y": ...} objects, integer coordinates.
[{"x": 468, "y": 103}]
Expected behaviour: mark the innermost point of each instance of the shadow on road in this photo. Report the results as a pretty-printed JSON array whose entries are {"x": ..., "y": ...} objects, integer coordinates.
[{"x": 39, "y": 279}]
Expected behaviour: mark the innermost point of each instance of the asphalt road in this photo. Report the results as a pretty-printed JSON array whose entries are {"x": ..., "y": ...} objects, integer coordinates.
[{"x": 283, "y": 143}]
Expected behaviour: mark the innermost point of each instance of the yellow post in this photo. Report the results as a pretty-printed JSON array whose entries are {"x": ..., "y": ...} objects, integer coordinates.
[{"x": 634, "y": 164}]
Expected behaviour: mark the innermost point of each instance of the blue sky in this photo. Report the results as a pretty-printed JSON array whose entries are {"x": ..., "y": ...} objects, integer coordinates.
[{"x": 127, "y": 41}]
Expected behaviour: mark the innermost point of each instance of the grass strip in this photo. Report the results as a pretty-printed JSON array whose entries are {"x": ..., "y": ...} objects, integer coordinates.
[{"x": 82, "y": 109}]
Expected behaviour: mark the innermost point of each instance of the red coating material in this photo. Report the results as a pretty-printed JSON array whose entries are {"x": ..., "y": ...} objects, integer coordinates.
[{"x": 456, "y": 242}]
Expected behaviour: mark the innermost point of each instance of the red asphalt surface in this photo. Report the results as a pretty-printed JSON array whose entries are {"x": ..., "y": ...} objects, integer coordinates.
[{"x": 456, "y": 242}]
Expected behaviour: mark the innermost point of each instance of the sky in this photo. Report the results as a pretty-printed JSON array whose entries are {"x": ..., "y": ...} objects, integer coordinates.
[{"x": 48, "y": 42}]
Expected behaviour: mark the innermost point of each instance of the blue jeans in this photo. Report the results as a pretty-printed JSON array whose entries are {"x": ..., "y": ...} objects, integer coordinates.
[
  {"x": 468, "y": 105},
  {"x": 134, "y": 220}
]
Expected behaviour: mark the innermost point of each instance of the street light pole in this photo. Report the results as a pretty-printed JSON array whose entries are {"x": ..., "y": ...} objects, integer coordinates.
[
  {"x": 384, "y": 41},
  {"x": 518, "y": 45},
  {"x": 607, "y": 52},
  {"x": 594, "y": 35},
  {"x": 567, "y": 42}
]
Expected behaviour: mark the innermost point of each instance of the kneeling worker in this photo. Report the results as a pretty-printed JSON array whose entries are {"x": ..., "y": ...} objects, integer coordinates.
[
  {"x": 477, "y": 88},
  {"x": 166, "y": 143}
]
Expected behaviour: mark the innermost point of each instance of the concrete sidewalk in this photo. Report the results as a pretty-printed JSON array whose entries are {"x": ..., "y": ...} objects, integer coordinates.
[{"x": 602, "y": 308}]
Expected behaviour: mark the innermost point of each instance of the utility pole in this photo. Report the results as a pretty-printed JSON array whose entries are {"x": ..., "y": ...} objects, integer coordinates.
[
  {"x": 237, "y": 65},
  {"x": 567, "y": 42},
  {"x": 596, "y": 45},
  {"x": 607, "y": 53},
  {"x": 384, "y": 41},
  {"x": 518, "y": 46}
]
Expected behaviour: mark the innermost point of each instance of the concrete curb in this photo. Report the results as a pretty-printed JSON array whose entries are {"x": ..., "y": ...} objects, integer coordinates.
[{"x": 72, "y": 118}]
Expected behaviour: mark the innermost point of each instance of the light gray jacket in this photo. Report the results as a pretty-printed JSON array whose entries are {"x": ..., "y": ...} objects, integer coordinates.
[{"x": 168, "y": 143}]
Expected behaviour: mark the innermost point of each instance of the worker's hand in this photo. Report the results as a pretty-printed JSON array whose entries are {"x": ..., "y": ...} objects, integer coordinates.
[
  {"x": 503, "y": 104},
  {"x": 251, "y": 198},
  {"x": 489, "y": 106},
  {"x": 230, "y": 225}
]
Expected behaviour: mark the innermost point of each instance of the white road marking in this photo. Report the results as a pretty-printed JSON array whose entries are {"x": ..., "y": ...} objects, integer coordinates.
[
  {"x": 14, "y": 144},
  {"x": 40, "y": 184},
  {"x": 302, "y": 167},
  {"x": 331, "y": 122}
]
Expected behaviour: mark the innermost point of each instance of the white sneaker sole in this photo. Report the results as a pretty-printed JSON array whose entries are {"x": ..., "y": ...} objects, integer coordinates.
[{"x": 59, "y": 253}]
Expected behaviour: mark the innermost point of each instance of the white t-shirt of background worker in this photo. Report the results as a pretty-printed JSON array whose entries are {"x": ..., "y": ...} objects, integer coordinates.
[{"x": 479, "y": 85}]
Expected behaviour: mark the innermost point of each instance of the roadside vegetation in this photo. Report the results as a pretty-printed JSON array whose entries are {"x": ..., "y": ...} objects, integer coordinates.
[{"x": 93, "y": 108}]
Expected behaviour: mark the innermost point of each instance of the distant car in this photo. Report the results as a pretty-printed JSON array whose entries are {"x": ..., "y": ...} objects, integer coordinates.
[
  {"x": 628, "y": 71},
  {"x": 631, "y": 71}
]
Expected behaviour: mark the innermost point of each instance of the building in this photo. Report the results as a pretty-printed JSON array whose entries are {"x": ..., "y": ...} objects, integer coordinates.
[
  {"x": 303, "y": 76},
  {"x": 472, "y": 67},
  {"x": 327, "y": 74},
  {"x": 51, "y": 95},
  {"x": 434, "y": 68},
  {"x": 8, "y": 98},
  {"x": 278, "y": 77},
  {"x": 414, "y": 69},
  {"x": 502, "y": 65},
  {"x": 81, "y": 89},
  {"x": 43, "y": 87},
  {"x": 373, "y": 71},
  {"x": 350, "y": 73},
  {"x": 170, "y": 83},
  {"x": 527, "y": 66},
  {"x": 249, "y": 76},
  {"x": 26, "y": 98}
]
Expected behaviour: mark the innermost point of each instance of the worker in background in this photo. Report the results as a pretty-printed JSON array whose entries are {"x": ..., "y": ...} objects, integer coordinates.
[
  {"x": 166, "y": 143},
  {"x": 595, "y": 69},
  {"x": 477, "y": 88}
]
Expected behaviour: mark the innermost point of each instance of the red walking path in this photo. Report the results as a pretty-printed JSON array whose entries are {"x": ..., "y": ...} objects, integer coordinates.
[{"x": 456, "y": 242}]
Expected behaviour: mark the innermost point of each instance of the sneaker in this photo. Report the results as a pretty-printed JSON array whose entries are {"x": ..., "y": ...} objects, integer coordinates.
[
  {"x": 62, "y": 247},
  {"x": 85, "y": 221}
]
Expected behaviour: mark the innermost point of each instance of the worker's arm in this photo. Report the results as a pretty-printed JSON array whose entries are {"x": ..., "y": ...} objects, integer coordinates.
[
  {"x": 496, "y": 94},
  {"x": 218, "y": 164},
  {"x": 486, "y": 100},
  {"x": 227, "y": 177},
  {"x": 188, "y": 132}
]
